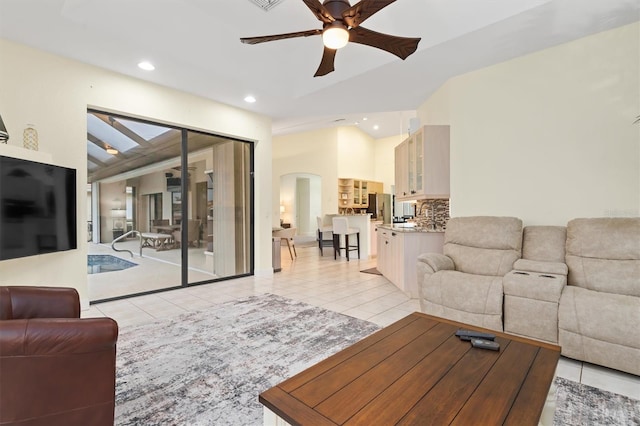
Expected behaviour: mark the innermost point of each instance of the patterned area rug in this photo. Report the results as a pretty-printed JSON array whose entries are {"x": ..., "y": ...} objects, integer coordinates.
[
  {"x": 578, "y": 404},
  {"x": 207, "y": 368}
]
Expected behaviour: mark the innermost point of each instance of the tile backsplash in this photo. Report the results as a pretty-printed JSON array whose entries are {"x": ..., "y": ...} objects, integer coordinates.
[{"x": 432, "y": 214}]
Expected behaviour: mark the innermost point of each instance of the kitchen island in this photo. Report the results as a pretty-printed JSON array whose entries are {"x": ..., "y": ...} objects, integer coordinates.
[
  {"x": 398, "y": 248},
  {"x": 363, "y": 223}
]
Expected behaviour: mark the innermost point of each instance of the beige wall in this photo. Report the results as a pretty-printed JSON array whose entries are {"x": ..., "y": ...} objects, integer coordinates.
[
  {"x": 313, "y": 152},
  {"x": 549, "y": 136},
  {"x": 54, "y": 93},
  {"x": 384, "y": 160},
  {"x": 356, "y": 154}
]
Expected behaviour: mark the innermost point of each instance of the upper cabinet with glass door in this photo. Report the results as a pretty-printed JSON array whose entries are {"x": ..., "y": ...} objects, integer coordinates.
[{"x": 422, "y": 164}]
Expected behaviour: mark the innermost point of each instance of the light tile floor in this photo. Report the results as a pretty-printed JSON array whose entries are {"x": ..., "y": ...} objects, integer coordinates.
[{"x": 337, "y": 285}]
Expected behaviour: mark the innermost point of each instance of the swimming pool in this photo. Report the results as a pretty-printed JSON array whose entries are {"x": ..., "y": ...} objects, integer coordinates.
[{"x": 98, "y": 263}]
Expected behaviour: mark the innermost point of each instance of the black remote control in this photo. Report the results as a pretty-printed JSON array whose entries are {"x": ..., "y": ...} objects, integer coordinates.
[
  {"x": 485, "y": 344},
  {"x": 469, "y": 334}
]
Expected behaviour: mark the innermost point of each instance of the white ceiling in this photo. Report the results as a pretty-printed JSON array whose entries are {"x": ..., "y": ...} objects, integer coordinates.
[{"x": 195, "y": 47}]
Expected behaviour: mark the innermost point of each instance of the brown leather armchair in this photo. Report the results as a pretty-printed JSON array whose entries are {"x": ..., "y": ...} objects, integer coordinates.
[{"x": 55, "y": 368}]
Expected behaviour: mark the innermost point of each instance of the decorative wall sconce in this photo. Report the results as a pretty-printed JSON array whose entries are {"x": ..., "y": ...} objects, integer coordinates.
[{"x": 30, "y": 137}]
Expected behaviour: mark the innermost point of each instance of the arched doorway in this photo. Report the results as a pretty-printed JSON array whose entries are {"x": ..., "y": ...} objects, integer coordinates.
[{"x": 301, "y": 200}]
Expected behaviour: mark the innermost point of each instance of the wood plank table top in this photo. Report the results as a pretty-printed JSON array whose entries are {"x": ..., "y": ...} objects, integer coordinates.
[{"x": 417, "y": 372}]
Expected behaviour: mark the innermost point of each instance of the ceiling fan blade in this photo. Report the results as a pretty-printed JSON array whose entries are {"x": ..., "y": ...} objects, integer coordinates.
[
  {"x": 320, "y": 11},
  {"x": 326, "y": 65},
  {"x": 402, "y": 47},
  {"x": 359, "y": 12},
  {"x": 262, "y": 39}
]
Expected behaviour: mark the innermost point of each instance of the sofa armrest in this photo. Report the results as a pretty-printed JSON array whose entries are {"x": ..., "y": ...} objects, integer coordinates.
[
  {"x": 552, "y": 268},
  {"x": 24, "y": 302},
  {"x": 435, "y": 261}
]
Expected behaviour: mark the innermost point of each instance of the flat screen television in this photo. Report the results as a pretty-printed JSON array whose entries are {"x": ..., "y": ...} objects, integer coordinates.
[
  {"x": 37, "y": 208},
  {"x": 174, "y": 184}
]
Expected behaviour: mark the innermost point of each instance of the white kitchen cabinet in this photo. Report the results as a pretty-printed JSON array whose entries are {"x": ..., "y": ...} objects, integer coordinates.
[
  {"x": 385, "y": 254},
  {"x": 373, "y": 247},
  {"x": 398, "y": 255},
  {"x": 401, "y": 169},
  {"x": 422, "y": 164}
]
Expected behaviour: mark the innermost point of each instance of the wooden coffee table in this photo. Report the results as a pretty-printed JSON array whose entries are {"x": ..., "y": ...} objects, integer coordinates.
[{"x": 417, "y": 372}]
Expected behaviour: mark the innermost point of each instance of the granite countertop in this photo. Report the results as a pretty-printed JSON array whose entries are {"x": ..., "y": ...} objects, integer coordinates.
[{"x": 402, "y": 227}]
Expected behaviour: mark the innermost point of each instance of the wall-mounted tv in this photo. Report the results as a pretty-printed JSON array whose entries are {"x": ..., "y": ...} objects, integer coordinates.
[
  {"x": 37, "y": 208},
  {"x": 174, "y": 184}
]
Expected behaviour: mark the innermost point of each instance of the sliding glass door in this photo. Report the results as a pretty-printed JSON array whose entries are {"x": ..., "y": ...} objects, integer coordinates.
[
  {"x": 187, "y": 194},
  {"x": 218, "y": 231}
]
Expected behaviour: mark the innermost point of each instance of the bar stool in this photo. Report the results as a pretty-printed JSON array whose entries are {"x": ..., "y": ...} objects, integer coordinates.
[
  {"x": 341, "y": 228},
  {"x": 322, "y": 230}
]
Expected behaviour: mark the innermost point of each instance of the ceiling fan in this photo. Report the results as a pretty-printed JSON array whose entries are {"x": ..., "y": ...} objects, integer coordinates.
[{"x": 341, "y": 24}]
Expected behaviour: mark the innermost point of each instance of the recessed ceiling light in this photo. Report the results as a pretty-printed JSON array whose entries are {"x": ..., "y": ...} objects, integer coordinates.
[
  {"x": 376, "y": 127},
  {"x": 364, "y": 118},
  {"x": 250, "y": 99},
  {"x": 146, "y": 65}
]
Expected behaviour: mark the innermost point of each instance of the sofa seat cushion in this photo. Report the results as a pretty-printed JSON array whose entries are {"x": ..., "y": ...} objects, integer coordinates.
[
  {"x": 590, "y": 321},
  {"x": 473, "y": 299}
]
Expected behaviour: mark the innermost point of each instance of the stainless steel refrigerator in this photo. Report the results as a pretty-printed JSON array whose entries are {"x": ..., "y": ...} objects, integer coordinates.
[{"x": 380, "y": 207}]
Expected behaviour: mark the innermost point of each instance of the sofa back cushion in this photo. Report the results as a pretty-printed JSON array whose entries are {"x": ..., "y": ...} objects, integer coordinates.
[
  {"x": 544, "y": 243},
  {"x": 483, "y": 245},
  {"x": 603, "y": 254},
  {"x": 24, "y": 302}
]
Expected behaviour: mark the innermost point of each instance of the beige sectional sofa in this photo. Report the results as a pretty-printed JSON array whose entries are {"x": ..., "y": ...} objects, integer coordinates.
[{"x": 577, "y": 286}]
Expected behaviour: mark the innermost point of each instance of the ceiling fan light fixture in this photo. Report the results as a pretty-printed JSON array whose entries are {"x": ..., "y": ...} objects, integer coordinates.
[
  {"x": 111, "y": 150},
  {"x": 335, "y": 36}
]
